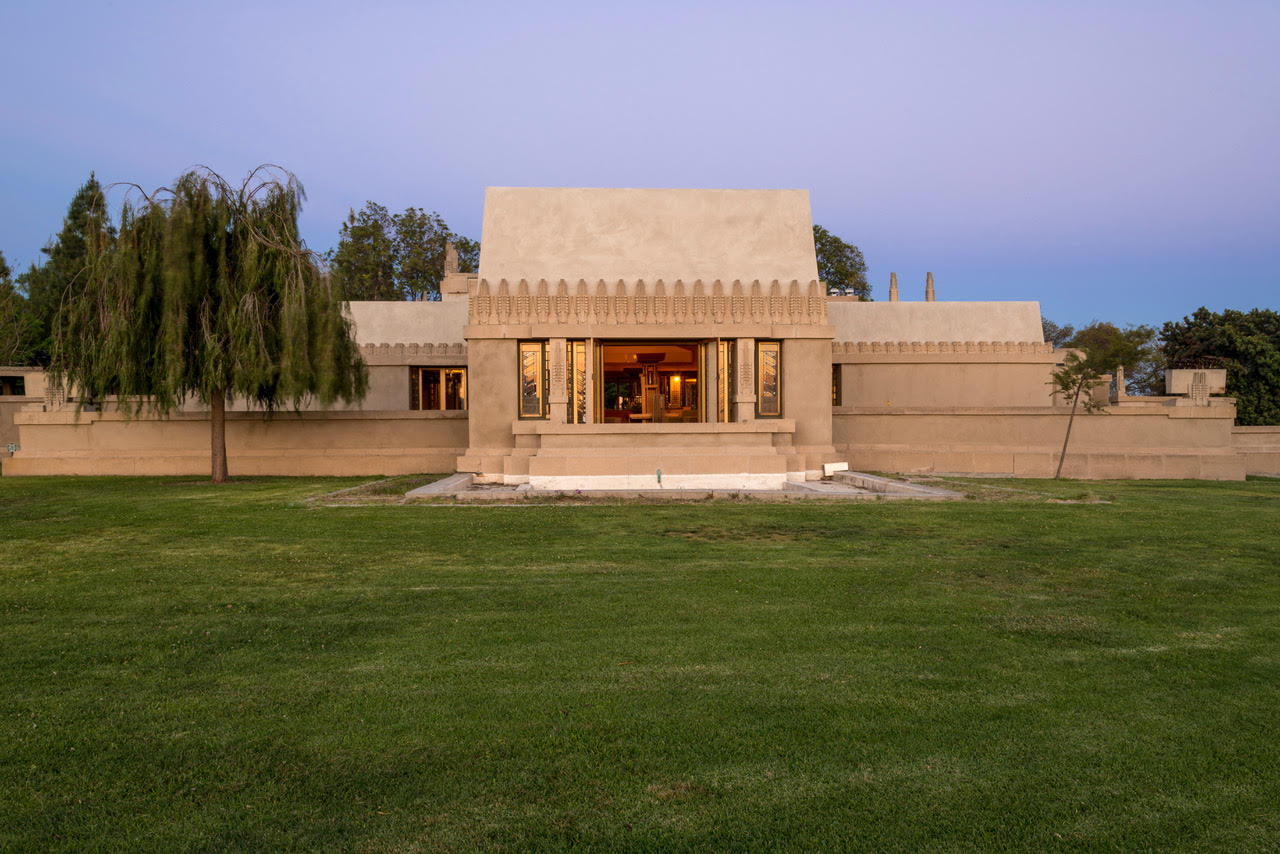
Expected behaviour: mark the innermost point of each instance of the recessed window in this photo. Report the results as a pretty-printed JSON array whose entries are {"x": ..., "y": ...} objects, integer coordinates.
[
  {"x": 437, "y": 388},
  {"x": 650, "y": 382},
  {"x": 768, "y": 379},
  {"x": 576, "y": 378},
  {"x": 533, "y": 379},
  {"x": 13, "y": 386},
  {"x": 835, "y": 385},
  {"x": 726, "y": 366}
]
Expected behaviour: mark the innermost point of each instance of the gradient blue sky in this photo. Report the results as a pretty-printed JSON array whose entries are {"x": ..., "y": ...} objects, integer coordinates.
[{"x": 1118, "y": 161}]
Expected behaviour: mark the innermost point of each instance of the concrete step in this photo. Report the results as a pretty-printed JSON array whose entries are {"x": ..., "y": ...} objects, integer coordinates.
[
  {"x": 645, "y": 461},
  {"x": 889, "y": 486}
]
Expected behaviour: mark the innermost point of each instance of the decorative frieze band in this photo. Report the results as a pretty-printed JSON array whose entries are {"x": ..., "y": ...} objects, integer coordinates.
[
  {"x": 843, "y": 347},
  {"x": 626, "y": 304},
  {"x": 404, "y": 354}
]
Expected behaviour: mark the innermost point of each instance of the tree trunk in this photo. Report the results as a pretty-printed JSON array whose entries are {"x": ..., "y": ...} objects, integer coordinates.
[
  {"x": 1074, "y": 402},
  {"x": 218, "y": 435}
]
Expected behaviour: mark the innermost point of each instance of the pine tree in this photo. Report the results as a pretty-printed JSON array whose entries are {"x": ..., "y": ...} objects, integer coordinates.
[
  {"x": 364, "y": 264},
  {"x": 208, "y": 292},
  {"x": 17, "y": 338},
  {"x": 50, "y": 283}
]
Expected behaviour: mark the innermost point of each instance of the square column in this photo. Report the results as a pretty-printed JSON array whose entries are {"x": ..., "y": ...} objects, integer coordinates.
[
  {"x": 558, "y": 394},
  {"x": 591, "y": 381},
  {"x": 745, "y": 382}
]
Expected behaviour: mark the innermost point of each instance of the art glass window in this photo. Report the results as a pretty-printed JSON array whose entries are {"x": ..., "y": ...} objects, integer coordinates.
[
  {"x": 533, "y": 379},
  {"x": 768, "y": 379}
]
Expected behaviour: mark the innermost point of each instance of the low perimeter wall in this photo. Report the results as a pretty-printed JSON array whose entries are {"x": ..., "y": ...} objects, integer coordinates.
[
  {"x": 1128, "y": 441},
  {"x": 10, "y": 407},
  {"x": 1159, "y": 440},
  {"x": 1260, "y": 447},
  {"x": 289, "y": 443}
]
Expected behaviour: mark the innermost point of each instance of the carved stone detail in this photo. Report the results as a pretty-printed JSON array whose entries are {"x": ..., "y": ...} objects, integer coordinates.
[
  {"x": 1199, "y": 393},
  {"x": 737, "y": 302},
  {"x": 542, "y": 303},
  {"x": 659, "y": 302},
  {"x": 746, "y": 380},
  {"x": 403, "y": 353},
  {"x": 557, "y": 367},
  {"x": 621, "y": 303},
  {"x": 940, "y": 347},
  {"x": 757, "y": 303},
  {"x": 679, "y": 303},
  {"x": 718, "y": 305},
  {"x": 797, "y": 304},
  {"x": 639, "y": 303},
  {"x": 582, "y": 303},
  {"x": 504, "y": 301},
  {"x": 600, "y": 304},
  {"x": 523, "y": 303}
]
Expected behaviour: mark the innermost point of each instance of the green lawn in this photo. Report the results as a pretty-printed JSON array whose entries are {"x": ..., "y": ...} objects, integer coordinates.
[{"x": 196, "y": 668}]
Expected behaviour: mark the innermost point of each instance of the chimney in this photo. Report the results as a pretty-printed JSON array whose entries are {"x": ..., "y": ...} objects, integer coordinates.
[
  {"x": 893, "y": 287},
  {"x": 928, "y": 287}
]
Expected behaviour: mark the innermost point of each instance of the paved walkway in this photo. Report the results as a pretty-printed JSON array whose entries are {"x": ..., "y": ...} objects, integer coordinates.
[{"x": 844, "y": 486}]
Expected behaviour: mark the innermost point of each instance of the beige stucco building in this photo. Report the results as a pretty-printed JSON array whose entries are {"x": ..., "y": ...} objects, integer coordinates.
[{"x": 638, "y": 337}]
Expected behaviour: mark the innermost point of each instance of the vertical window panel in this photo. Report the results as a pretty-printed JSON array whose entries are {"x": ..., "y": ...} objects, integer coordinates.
[
  {"x": 724, "y": 381},
  {"x": 533, "y": 379},
  {"x": 455, "y": 388},
  {"x": 768, "y": 379},
  {"x": 430, "y": 392},
  {"x": 576, "y": 380}
]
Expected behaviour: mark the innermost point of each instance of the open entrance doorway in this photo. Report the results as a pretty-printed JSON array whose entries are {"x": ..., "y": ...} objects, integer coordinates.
[{"x": 651, "y": 381}]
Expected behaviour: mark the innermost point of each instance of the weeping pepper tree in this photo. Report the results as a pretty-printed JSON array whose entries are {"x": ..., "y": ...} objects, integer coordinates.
[{"x": 206, "y": 292}]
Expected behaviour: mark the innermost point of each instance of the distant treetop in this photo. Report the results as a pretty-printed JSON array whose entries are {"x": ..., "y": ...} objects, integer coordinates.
[
  {"x": 840, "y": 265},
  {"x": 385, "y": 256}
]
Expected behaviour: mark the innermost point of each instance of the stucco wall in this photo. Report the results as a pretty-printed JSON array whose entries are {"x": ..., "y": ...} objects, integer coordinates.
[
  {"x": 33, "y": 392},
  {"x": 440, "y": 322},
  {"x": 8, "y": 432},
  {"x": 492, "y": 374},
  {"x": 388, "y": 390},
  {"x": 934, "y": 321},
  {"x": 939, "y": 383},
  {"x": 334, "y": 443},
  {"x": 1260, "y": 447},
  {"x": 591, "y": 233},
  {"x": 1158, "y": 441},
  {"x": 806, "y": 399}
]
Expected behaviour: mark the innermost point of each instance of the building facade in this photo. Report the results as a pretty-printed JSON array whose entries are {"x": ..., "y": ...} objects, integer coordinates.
[{"x": 637, "y": 338}]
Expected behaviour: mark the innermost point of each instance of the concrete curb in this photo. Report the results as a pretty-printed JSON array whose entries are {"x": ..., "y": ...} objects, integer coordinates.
[
  {"x": 846, "y": 486},
  {"x": 445, "y": 486}
]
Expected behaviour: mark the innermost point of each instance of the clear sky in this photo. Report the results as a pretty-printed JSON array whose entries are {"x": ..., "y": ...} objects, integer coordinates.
[{"x": 1116, "y": 161}]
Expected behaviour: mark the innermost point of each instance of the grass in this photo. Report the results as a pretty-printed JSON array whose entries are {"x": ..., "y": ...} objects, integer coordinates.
[
  {"x": 191, "y": 668},
  {"x": 381, "y": 491}
]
